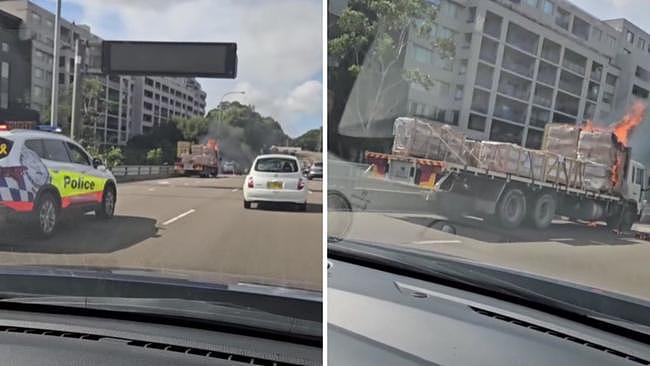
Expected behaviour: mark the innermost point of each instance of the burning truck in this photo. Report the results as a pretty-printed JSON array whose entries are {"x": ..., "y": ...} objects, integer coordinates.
[
  {"x": 198, "y": 159},
  {"x": 581, "y": 172}
]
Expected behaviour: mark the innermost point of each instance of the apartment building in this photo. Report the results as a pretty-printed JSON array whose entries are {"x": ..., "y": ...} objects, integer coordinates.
[
  {"x": 159, "y": 99},
  {"x": 520, "y": 64},
  {"x": 15, "y": 72},
  {"x": 125, "y": 98}
]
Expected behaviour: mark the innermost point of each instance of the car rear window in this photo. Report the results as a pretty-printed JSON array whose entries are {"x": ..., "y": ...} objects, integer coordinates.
[
  {"x": 36, "y": 146},
  {"x": 319, "y": 165},
  {"x": 276, "y": 165},
  {"x": 5, "y": 147}
]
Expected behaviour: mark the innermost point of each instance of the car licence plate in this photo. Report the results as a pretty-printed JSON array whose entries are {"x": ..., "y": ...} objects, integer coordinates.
[{"x": 274, "y": 185}]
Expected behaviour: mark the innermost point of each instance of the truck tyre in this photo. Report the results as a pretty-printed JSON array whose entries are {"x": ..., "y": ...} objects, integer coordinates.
[
  {"x": 542, "y": 212},
  {"x": 247, "y": 204},
  {"x": 511, "y": 208},
  {"x": 46, "y": 215},
  {"x": 107, "y": 208},
  {"x": 621, "y": 217}
]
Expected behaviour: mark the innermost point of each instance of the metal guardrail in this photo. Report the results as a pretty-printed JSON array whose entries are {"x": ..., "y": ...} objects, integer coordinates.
[{"x": 140, "y": 172}]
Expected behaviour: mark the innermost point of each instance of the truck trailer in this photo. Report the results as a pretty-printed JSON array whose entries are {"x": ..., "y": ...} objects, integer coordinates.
[
  {"x": 581, "y": 173},
  {"x": 198, "y": 159}
]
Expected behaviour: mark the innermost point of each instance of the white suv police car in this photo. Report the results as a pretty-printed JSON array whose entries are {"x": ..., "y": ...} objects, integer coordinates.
[{"x": 43, "y": 175}]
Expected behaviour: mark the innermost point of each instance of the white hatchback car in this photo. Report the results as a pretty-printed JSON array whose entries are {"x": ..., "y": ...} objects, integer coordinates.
[{"x": 275, "y": 178}]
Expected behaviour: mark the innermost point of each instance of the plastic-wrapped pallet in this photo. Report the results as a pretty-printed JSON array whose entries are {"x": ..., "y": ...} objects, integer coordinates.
[
  {"x": 427, "y": 139},
  {"x": 561, "y": 139},
  {"x": 597, "y": 177},
  {"x": 597, "y": 146}
]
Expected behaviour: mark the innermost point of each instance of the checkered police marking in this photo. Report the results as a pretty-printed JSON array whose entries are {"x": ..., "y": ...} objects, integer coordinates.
[{"x": 12, "y": 190}]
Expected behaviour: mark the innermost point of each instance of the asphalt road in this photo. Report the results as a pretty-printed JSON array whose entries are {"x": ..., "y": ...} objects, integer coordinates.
[
  {"x": 187, "y": 225},
  {"x": 570, "y": 251}
]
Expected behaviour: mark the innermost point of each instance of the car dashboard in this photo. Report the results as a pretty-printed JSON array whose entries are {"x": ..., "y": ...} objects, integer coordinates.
[{"x": 380, "y": 318}]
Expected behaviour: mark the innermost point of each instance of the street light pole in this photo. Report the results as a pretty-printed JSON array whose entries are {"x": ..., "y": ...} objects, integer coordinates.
[
  {"x": 54, "y": 109},
  {"x": 75, "y": 86},
  {"x": 222, "y": 98}
]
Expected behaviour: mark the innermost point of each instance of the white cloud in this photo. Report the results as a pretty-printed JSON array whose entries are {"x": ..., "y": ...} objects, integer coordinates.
[{"x": 279, "y": 44}]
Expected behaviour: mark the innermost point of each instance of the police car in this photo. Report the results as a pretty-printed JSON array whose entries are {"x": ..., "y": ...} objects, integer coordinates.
[{"x": 43, "y": 175}]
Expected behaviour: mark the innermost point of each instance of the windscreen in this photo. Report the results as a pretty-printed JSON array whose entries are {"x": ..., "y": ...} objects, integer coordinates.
[
  {"x": 154, "y": 182},
  {"x": 503, "y": 132},
  {"x": 276, "y": 165}
]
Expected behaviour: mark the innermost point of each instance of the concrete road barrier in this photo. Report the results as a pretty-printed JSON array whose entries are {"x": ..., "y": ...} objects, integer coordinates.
[{"x": 128, "y": 173}]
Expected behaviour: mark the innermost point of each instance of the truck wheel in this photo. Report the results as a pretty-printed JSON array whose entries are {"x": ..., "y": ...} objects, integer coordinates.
[
  {"x": 542, "y": 212},
  {"x": 107, "y": 209},
  {"x": 511, "y": 209},
  {"x": 46, "y": 215},
  {"x": 622, "y": 218}
]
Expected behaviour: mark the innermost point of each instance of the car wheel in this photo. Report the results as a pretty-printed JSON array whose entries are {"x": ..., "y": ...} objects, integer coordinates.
[
  {"x": 247, "y": 204},
  {"x": 107, "y": 209},
  {"x": 47, "y": 215}
]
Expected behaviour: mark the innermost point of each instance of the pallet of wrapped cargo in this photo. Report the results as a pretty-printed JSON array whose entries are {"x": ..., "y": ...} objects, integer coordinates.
[
  {"x": 428, "y": 139},
  {"x": 561, "y": 138},
  {"x": 601, "y": 148}
]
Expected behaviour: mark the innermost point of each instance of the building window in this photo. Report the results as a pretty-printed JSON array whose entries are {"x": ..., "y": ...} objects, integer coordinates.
[
  {"x": 471, "y": 18},
  {"x": 476, "y": 122},
  {"x": 38, "y": 73},
  {"x": 629, "y": 37},
  {"x": 444, "y": 88},
  {"x": 5, "y": 47},
  {"x": 492, "y": 25},
  {"x": 597, "y": 34},
  {"x": 581, "y": 28},
  {"x": 640, "y": 92},
  {"x": 462, "y": 69},
  {"x": 459, "y": 92},
  {"x": 36, "y": 17},
  {"x": 423, "y": 55},
  {"x": 641, "y": 43},
  {"x": 607, "y": 98},
  {"x": 548, "y": 7},
  {"x": 49, "y": 23},
  {"x": 562, "y": 18},
  {"x": 611, "y": 79},
  {"x": 38, "y": 91},
  {"x": 532, "y": 3},
  {"x": 611, "y": 41}
]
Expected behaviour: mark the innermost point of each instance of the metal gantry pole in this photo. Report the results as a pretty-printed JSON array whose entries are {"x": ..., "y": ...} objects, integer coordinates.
[{"x": 55, "y": 69}]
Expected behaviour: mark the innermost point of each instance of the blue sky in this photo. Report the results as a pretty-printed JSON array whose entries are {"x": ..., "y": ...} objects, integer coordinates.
[{"x": 280, "y": 56}]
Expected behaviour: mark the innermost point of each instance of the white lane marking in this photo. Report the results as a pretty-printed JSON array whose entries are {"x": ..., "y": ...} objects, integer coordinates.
[
  {"x": 164, "y": 182},
  {"x": 235, "y": 190},
  {"x": 186, "y": 184},
  {"x": 561, "y": 239},
  {"x": 173, "y": 219},
  {"x": 151, "y": 189},
  {"x": 436, "y": 242}
]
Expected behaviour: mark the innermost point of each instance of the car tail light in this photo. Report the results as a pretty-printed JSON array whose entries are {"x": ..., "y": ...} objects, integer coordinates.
[
  {"x": 301, "y": 184},
  {"x": 15, "y": 172},
  {"x": 4, "y": 128},
  {"x": 251, "y": 184}
]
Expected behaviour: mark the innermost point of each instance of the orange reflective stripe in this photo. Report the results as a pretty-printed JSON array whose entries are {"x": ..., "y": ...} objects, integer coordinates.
[{"x": 18, "y": 206}]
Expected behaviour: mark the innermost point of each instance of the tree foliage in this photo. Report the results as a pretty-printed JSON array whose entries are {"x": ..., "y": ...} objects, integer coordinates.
[
  {"x": 369, "y": 45},
  {"x": 155, "y": 156},
  {"x": 310, "y": 140}
]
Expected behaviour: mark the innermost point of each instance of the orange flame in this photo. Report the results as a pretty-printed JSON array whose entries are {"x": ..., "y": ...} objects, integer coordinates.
[
  {"x": 616, "y": 168},
  {"x": 624, "y": 128}
]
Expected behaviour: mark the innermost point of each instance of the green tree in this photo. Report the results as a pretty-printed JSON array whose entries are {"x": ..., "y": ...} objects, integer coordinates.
[
  {"x": 93, "y": 104},
  {"x": 192, "y": 128},
  {"x": 155, "y": 156},
  {"x": 369, "y": 45},
  {"x": 111, "y": 156},
  {"x": 310, "y": 140}
]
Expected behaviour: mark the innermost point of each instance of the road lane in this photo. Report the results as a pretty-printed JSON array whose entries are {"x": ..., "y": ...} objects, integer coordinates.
[
  {"x": 570, "y": 251},
  {"x": 188, "y": 224}
]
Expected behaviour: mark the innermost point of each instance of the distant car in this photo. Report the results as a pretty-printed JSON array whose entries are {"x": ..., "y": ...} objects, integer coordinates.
[
  {"x": 229, "y": 167},
  {"x": 315, "y": 171},
  {"x": 275, "y": 178},
  {"x": 44, "y": 174}
]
